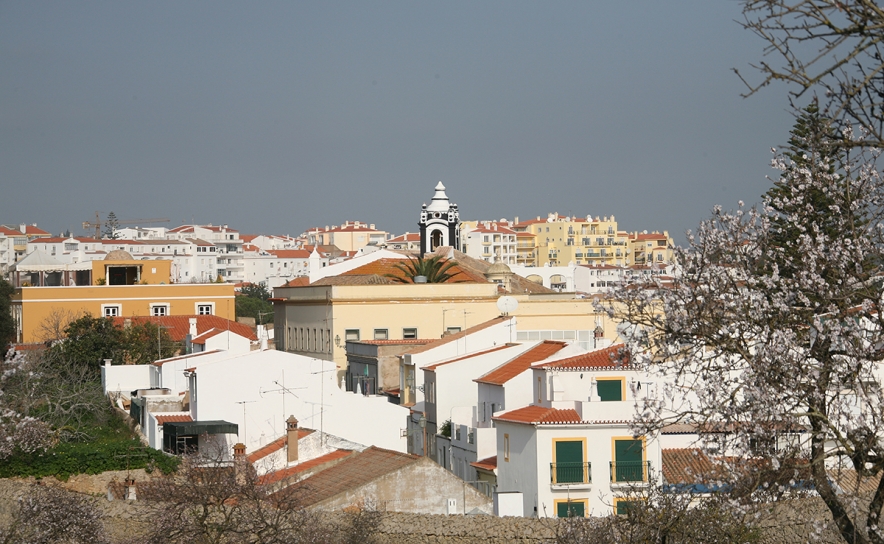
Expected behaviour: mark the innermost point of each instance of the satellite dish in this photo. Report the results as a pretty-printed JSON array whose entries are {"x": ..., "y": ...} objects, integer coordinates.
[{"x": 507, "y": 305}]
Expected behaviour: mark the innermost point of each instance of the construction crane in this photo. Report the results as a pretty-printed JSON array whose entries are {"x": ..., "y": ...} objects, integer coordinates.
[{"x": 89, "y": 225}]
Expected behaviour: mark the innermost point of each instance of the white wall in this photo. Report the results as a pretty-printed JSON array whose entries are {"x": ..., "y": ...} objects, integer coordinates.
[
  {"x": 259, "y": 391},
  {"x": 124, "y": 378}
]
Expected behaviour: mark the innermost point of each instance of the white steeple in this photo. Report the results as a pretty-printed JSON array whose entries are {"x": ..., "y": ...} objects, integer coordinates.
[{"x": 440, "y": 200}]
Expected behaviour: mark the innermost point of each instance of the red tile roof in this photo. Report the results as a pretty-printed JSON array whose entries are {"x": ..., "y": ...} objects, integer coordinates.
[
  {"x": 687, "y": 466},
  {"x": 521, "y": 363},
  {"x": 176, "y": 418},
  {"x": 615, "y": 356},
  {"x": 385, "y": 266},
  {"x": 282, "y": 474},
  {"x": 300, "y": 281},
  {"x": 201, "y": 339},
  {"x": 407, "y": 237},
  {"x": 179, "y": 325},
  {"x": 10, "y": 232},
  {"x": 432, "y": 368},
  {"x": 458, "y": 335},
  {"x": 274, "y": 446},
  {"x": 538, "y": 415},
  {"x": 486, "y": 464},
  {"x": 33, "y": 229},
  {"x": 351, "y": 473}
]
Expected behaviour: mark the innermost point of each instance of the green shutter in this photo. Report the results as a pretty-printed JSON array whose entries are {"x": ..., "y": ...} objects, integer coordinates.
[
  {"x": 628, "y": 461},
  {"x": 624, "y": 506},
  {"x": 610, "y": 389},
  {"x": 570, "y": 510},
  {"x": 569, "y": 461}
]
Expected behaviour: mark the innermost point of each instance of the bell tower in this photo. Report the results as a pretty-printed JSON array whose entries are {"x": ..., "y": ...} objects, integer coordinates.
[{"x": 439, "y": 223}]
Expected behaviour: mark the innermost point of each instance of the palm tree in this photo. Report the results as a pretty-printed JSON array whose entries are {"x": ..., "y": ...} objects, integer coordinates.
[{"x": 435, "y": 269}]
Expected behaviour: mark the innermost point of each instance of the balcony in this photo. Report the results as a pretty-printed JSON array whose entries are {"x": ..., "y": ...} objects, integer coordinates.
[
  {"x": 630, "y": 472},
  {"x": 573, "y": 475}
]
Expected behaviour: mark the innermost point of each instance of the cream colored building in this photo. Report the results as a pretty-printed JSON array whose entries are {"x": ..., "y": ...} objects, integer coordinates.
[
  {"x": 351, "y": 236},
  {"x": 318, "y": 320}
]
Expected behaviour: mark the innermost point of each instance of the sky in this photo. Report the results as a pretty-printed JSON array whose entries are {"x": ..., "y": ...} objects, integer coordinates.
[{"x": 275, "y": 117}]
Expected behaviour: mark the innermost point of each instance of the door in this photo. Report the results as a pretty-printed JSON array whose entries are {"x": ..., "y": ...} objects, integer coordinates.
[{"x": 628, "y": 461}]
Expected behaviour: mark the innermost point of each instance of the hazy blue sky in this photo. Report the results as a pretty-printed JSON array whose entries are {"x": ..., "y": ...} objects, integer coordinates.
[{"x": 274, "y": 117}]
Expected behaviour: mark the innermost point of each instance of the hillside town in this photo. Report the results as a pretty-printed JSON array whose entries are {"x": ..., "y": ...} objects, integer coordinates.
[
  {"x": 364, "y": 359},
  {"x": 377, "y": 325}
]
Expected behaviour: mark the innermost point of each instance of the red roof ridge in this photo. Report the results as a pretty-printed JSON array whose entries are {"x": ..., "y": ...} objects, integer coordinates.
[{"x": 521, "y": 362}]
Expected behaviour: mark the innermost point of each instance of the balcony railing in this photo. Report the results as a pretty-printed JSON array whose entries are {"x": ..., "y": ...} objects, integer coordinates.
[
  {"x": 569, "y": 473},
  {"x": 630, "y": 471}
]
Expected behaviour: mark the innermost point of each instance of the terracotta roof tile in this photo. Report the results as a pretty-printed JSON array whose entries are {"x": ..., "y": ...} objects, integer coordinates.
[
  {"x": 539, "y": 415},
  {"x": 614, "y": 356},
  {"x": 487, "y": 464},
  {"x": 174, "y": 418},
  {"x": 282, "y": 474},
  {"x": 349, "y": 279},
  {"x": 274, "y": 446},
  {"x": 178, "y": 326},
  {"x": 686, "y": 466},
  {"x": 300, "y": 281},
  {"x": 10, "y": 232},
  {"x": 521, "y": 363},
  {"x": 433, "y": 367},
  {"x": 385, "y": 266},
  {"x": 352, "y": 472}
]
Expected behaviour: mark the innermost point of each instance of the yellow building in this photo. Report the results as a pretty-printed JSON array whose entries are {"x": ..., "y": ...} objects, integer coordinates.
[
  {"x": 110, "y": 288},
  {"x": 558, "y": 241}
]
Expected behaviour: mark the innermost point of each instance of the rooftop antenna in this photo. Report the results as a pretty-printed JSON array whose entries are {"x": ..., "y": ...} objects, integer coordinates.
[{"x": 244, "y": 402}]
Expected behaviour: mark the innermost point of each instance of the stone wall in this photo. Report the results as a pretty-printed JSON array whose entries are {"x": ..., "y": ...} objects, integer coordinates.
[{"x": 786, "y": 522}]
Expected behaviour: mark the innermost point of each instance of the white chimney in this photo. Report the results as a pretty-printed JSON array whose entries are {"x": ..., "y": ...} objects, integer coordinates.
[{"x": 192, "y": 330}]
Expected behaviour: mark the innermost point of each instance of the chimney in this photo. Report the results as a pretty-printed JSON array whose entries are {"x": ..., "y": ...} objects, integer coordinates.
[
  {"x": 22, "y": 228},
  {"x": 129, "y": 489},
  {"x": 127, "y": 322},
  {"x": 240, "y": 463},
  {"x": 291, "y": 431},
  {"x": 192, "y": 330}
]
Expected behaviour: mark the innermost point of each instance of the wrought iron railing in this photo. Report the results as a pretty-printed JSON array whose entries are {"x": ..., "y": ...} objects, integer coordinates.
[
  {"x": 570, "y": 473},
  {"x": 630, "y": 471}
]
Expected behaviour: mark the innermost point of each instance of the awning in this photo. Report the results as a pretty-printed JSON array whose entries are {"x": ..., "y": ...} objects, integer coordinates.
[{"x": 181, "y": 428}]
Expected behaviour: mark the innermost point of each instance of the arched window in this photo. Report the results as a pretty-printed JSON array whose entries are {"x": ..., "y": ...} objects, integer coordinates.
[{"x": 435, "y": 240}]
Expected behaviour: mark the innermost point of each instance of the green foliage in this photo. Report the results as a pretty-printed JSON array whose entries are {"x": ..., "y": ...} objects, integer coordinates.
[
  {"x": 445, "y": 429},
  {"x": 145, "y": 342},
  {"x": 252, "y": 302},
  {"x": 110, "y": 226},
  {"x": 435, "y": 269},
  {"x": 253, "y": 290},
  {"x": 112, "y": 447},
  {"x": 89, "y": 340},
  {"x": 7, "y": 325}
]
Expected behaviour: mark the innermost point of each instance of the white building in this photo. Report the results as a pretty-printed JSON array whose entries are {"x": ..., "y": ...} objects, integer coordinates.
[
  {"x": 274, "y": 267},
  {"x": 571, "y": 451},
  {"x": 489, "y": 241}
]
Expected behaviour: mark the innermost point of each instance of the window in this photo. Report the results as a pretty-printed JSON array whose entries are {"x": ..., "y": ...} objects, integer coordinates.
[
  {"x": 452, "y": 330},
  {"x": 629, "y": 464},
  {"x": 506, "y": 447},
  {"x": 159, "y": 310},
  {"x": 205, "y": 308},
  {"x": 380, "y": 334},
  {"x": 570, "y": 508},
  {"x": 351, "y": 335},
  {"x": 111, "y": 310},
  {"x": 622, "y": 506},
  {"x": 610, "y": 389},
  {"x": 409, "y": 334},
  {"x": 568, "y": 466}
]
